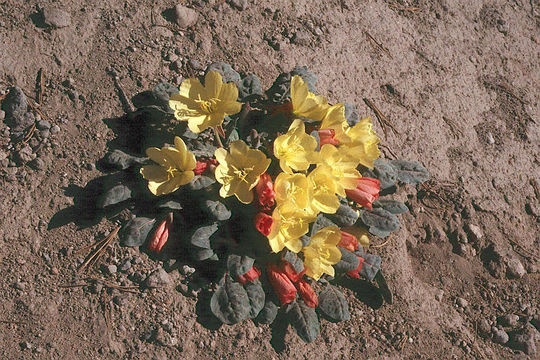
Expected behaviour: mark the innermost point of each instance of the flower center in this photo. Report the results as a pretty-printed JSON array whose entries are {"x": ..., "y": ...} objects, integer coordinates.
[
  {"x": 241, "y": 173},
  {"x": 208, "y": 106}
]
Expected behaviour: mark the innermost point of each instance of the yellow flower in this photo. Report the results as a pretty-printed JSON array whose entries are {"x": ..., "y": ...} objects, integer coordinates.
[
  {"x": 175, "y": 168},
  {"x": 342, "y": 167},
  {"x": 239, "y": 170},
  {"x": 335, "y": 119},
  {"x": 363, "y": 142},
  {"x": 293, "y": 188},
  {"x": 304, "y": 102},
  {"x": 290, "y": 223},
  {"x": 361, "y": 233},
  {"x": 205, "y": 106},
  {"x": 322, "y": 252},
  {"x": 295, "y": 149},
  {"x": 324, "y": 189}
]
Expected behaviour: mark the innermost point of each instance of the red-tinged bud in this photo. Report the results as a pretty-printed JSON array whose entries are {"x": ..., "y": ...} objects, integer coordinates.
[
  {"x": 291, "y": 273},
  {"x": 355, "y": 272},
  {"x": 200, "y": 167},
  {"x": 161, "y": 234},
  {"x": 366, "y": 192},
  {"x": 326, "y": 136},
  {"x": 348, "y": 241},
  {"x": 263, "y": 223},
  {"x": 307, "y": 293},
  {"x": 282, "y": 285},
  {"x": 251, "y": 275},
  {"x": 265, "y": 191}
]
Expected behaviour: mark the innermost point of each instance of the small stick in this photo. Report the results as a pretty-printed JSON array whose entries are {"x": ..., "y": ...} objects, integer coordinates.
[
  {"x": 31, "y": 132},
  {"x": 404, "y": 8},
  {"x": 40, "y": 88},
  {"x": 381, "y": 245},
  {"x": 383, "y": 120},
  {"x": 388, "y": 149},
  {"x": 126, "y": 104},
  {"x": 93, "y": 257},
  {"x": 217, "y": 137},
  {"x": 378, "y": 44}
]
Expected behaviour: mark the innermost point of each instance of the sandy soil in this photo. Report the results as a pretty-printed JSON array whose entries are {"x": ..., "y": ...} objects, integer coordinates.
[{"x": 458, "y": 80}]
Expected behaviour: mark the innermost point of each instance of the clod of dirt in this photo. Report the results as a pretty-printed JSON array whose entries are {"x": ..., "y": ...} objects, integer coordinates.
[
  {"x": 500, "y": 336},
  {"x": 24, "y": 155},
  {"x": 524, "y": 340},
  {"x": 484, "y": 328},
  {"x": 239, "y": 4},
  {"x": 515, "y": 268},
  {"x": 157, "y": 278},
  {"x": 184, "y": 16},
  {"x": 474, "y": 232},
  {"x": 14, "y": 105},
  {"x": 509, "y": 320},
  {"x": 56, "y": 18}
]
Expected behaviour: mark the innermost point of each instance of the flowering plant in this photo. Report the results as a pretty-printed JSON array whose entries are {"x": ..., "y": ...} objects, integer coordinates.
[{"x": 278, "y": 193}]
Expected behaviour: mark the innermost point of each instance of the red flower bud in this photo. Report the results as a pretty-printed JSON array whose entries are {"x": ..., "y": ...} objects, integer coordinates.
[
  {"x": 307, "y": 293},
  {"x": 348, "y": 241},
  {"x": 265, "y": 191},
  {"x": 200, "y": 167},
  {"x": 161, "y": 234},
  {"x": 326, "y": 136},
  {"x": 355, "y": 272},
  {"x": 251, "y": 275},
  {"x": 263, "y": 223},
  {"x": 291, "y": 273},
  {"x": 366, "y": 192},
  {"x": 282, "y": 285}
]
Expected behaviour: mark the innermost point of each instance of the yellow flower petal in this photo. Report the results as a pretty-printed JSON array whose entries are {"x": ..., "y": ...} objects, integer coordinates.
[
  {"x": 154, "y": 173},
  {"x": 212, "y": 84}
]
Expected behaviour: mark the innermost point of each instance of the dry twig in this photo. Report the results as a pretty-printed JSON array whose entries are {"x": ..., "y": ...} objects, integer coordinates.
[
  {"x": 378, "y": 44},
  {"x": 383, "y": 120},
  {"x": 404, "y": 8},
  {"x": 94, "y": 256},
  {"x": 40, "y": 86}
]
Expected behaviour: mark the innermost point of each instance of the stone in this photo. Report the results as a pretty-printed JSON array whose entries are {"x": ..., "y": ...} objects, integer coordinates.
[
  {"x": 239, "y": 4},
  {"x": 462, "y": 302},
  {"x": 509, "y": 320},
  {"x": 43, "y": 125},
  {"x": 514, "y": 268},
  {"x": 24, "y": 155},
  {"x": 45, "y": 133},
  {"x": 474, "y": 232},
  {"x": 187, "y": 270},
  {"x": 483, "y": 327},
  {"x": 14, "y": 105},
  {"x": 37, "y": 164},
  {"x": 90, "y": 166},
  {"x": 126, "y": 265},
  {"x": 55, "y": 129},
  {"x": 19, "y": 285},
  {"x": 195, "y": 64},
  {"x": 524, "y": 340},
  {"x": 184, "y": 16},
  {"x": 500, "y": 336},
  {"x": 2, "y": 115},
  {"x": 3, "y": 155},
  {"x": 56, "y": 18},
  {"x": 111, "y": 269},
  {"x": 157, "y": 278}
]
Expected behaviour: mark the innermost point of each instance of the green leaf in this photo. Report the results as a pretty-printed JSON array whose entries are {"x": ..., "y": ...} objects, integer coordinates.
[
  {"x": 385, "y": 172},
  {"x": 201, "y": 236},
  {"x": 410, "y": 172},
  {"x": 393, "y": 206},
  {"x": 239, "y": 265},
  {"x": 321, "y": 222},
  {"x": 230, "y": 303},
  {"x": 226, "y": 71},
  {"x": 294, "y": 260},
  {"x": 135, "y": 231},
  {"x": 170, "y": 204},
  {"x": 204, "y": 254},
  {"x": 256, "y": 297},
  {"x": 249, "y": 85},
  {"x": 268, "y": 313},
  {"x": 114, "y": 195},
  {"x": 371, "y": 266},
  {"x": 304, "y": 320},
  {"x": 333, "y": 304},
  {"x": 120, "y": 160},
  {"x": 349, "y": 261},
  {"x": 200, "y": 182},
  {"x": 344, "y": 216},
  {"x": 379, "y": 221},
  {"x": 216, "y": 209},
  {"x": 201, "y": 148}
]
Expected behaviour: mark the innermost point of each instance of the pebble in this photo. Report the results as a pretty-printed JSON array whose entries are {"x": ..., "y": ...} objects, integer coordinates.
[
  {"x": 439, "y": 295},
  {"x": 483, "y": 327},
  {"x": 2, "y": 115},
  {"x": 176, "y": 65},
  {"x": 56, "y": 18},
  {"x": 111, "y": 269},
  {"x": 24, "y": 155},
  {"x": 195, "y": 64},
  {"x": 90, "y": 166},
  {"x": 43, "y": 125},
  {"x": 55, "y": 129},
  {"x": 184, "y": 16},
  {"x": 157, "y": 278},
  {"x": 524, "y": 340},
  {"x": 462, "y": 302},
  {"x": 500, "y": 336},
  {"x": 14, "y": 105},
  {"x": 45, "y": 133},
  {"x": 515, "y": 268},
  {"x": 126, "y": 265},
  {"x": 26, "y": 345},
  {"x": 474, "y": 232},
  {"x": 19, "y": 285},
  {"x": 509, "y": 320},
  {"x": 490, "y": 138},
  {"x": 187, "y": 270},
  {"x": 37, "y": 164},
  {"x": 239, "y": 4}
]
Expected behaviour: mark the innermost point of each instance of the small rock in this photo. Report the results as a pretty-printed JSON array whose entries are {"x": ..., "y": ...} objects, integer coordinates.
[
  {"x": 176, "y": 65},
  {"x": 37, "y": 164},
  {"x": 19, "y": 285},
  {"x": 43, "y": 124},
  {"x": 239, "y": 4},
  {"x": 439, "y": 295},
  {"x": 184, "y": 16},
  {"x": 111, "y": 269},
  {"x": 3, "y": 155},
  {"x": 509, "y": 320},
  {"x": 462, "y": 302},
  {"x": 25, "y": 345},
  {"x": 483, "y": 327},
  {"x": 515, "y": 268},
  {"x": 90, "y": 166},
  {"x": 55, "y": 129},
  {"x": 187, "y": 270},
  {"x": 474, "y": 232},
  {"x": 157, "y": 278},
  {"x": 2, "y": 115},
  {"x": 500, "y": 336},
  {"x": 24, "y": 155},
  {"x": 45, "y": 133},
  {"x": 195, "y": 64},
  {"x": 56, "y": 18},
  {"x": 490, "y": 138},
  {"x": 14, "y": 105},
  {"x": 126, "y": 265},
  {"x": 524, "y": 340}
]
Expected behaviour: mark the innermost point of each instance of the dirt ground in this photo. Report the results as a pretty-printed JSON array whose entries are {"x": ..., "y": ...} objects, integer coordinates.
[{"x": 458, "y": 80}]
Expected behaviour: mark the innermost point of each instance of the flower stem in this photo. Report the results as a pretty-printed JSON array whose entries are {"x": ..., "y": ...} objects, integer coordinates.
[{"x": 218, "y": 138}]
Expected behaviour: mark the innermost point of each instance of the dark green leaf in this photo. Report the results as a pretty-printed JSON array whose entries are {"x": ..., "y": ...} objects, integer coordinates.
[
  {"x": 379, "y": 221},
  {"x": 114, "y": 195},
  {"x": 256, "y": 297},
  {"x": 344, "y": 216},
  {"x": 349, "y": 261},
  {"x": 294, "y": 260},
  {"x": 268, "y": 313},
  {"x": 410, "y": 172},
  {"x": 201, "y": 236},
  {"x": 393, "y": 206},
  {"x": 386, "y": 173},
  {"x": 351, "y": 114},
  {"x": 333, "y": 304},
  {"x": 201, "y": 149},
  {"x": 249, "y": 85},
  {"x": 170, "y": 204},
  {"x": 120, "y": 160},
  {"x": 216, "y": 209},
  {"x": 204, "y": 254},
  {"x": 200, "y": 182},
  {"x": 239, "y": 265},
  {"x": 135, "y": 232},
  {"x": 230, "y": 303},
  {"x": 370, "y": 266},
  {"x": 321, "y": 222},
  {"x": 226, "y": 71},
  {"x": 304, "y": 320}
]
